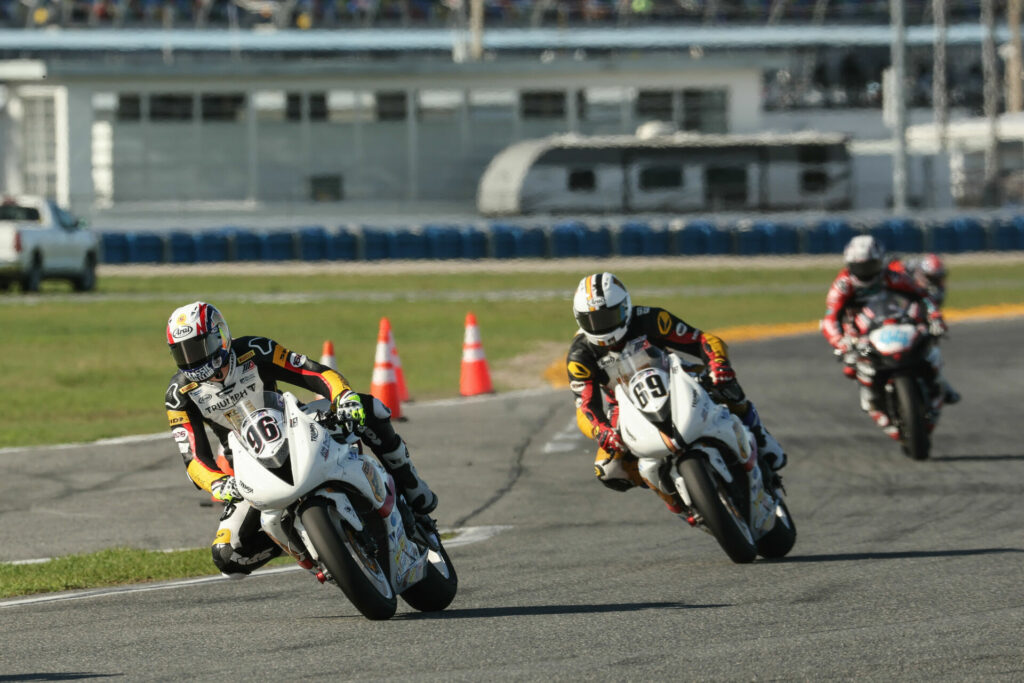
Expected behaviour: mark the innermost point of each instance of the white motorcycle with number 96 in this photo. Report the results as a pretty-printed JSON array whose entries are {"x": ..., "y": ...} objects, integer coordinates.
[
  {"x": 687, "y": 443},
  {"x": 309, "y": 478}
]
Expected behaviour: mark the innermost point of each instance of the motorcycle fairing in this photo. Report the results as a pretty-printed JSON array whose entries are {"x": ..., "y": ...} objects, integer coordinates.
[{"x": 893, "y": 339}]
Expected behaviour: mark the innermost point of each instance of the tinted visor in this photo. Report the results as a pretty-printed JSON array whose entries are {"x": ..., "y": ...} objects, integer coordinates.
[
  {"x": 866, "y": 270},
  {"x": 602, "y": 321},
  {"x": 194, "y": 352}
]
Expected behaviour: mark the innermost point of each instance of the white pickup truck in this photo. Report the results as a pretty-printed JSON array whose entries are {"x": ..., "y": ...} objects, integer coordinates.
[{"x": 39, "y": 240}]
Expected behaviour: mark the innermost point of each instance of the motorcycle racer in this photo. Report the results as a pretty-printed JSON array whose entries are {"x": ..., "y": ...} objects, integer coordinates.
[
  {"x": 927, "y": 270},
  {"x": 862, "y": 276},
  {"x": 215, "y": 372},
  {"x": 607, "y": 320}
]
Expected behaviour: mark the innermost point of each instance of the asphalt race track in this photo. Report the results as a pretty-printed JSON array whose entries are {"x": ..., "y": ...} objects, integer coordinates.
[{"x": 902, "y": 570}]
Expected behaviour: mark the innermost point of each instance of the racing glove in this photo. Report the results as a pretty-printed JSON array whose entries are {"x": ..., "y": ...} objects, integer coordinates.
[
  {"x": 936, "y": 325},
  {"x": 609, "y": 440},
  {"x": 226, "y": 490},
  {"x": 723, "y": 380},
  {"x": 348, "y": 408}
]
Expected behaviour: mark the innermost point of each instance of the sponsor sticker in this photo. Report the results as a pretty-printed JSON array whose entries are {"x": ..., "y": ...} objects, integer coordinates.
[
  {"x": 179, "y": 434},
  {"x": 223, "y": 536},
  {"x": 664, "y": 322},
  {"x": 296, "y": 360},
  {"x": 176, "y": 417},
  {"x": 182, "y": 331},
  {"x": 245, "y": 356},
  {"x": 187, "y": 388},
  {"x": 579, "y": 370}
]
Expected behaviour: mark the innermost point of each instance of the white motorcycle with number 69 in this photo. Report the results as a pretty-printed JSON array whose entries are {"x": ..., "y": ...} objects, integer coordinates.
[
  {"x": 311, "y": 482},
  {"x": 687, "y": 443}
]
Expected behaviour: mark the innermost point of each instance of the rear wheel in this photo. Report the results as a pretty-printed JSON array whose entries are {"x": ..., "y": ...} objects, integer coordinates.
[
  {"x": 437, "y": 589},
  {"x": 34, "y": 277},
  {"x": 780, "y": 540},
  {"x": 715, "y": 505},
  {"x": 912, "y": 423},
  {"x": 361, "y": 573}
]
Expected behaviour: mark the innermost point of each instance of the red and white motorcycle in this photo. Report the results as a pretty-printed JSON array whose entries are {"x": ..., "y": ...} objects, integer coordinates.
[
  {"x": 689, "y": 444},
  {"x": 311, "y": 481}
]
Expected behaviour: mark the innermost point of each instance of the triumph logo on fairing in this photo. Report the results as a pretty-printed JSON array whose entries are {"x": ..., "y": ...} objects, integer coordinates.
[{"x": 225, "y": 403}]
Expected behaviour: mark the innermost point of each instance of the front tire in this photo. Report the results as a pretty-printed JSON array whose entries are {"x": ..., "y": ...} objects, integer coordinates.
[
  {"x": 363, "y": 577},
  {"x": 86, "y": 281},
  {"x": 33, "y": 279},
  {"x": 715, "y": 505},
  {"x": 781, "y": 539},
  {"x": 437, "y": 589},
  {"x": 913, "y": 425}
]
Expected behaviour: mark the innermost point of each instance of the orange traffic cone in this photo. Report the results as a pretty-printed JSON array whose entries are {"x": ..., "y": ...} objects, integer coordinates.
[
  {"x": 383, "y": 384},
  {"x": 475, "y": 378},
  {"x": 396, "y": 363}
]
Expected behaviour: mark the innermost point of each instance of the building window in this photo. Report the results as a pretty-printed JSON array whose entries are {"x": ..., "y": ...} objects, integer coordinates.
[
  {"x": 221, "y": 107},
  {"x": 391, "y": 105},
  {"x": 661, "y": 178},
  {"x": 654, "y": 105},
  {"x": 317, "y": 106},
  {"x": 705, "y": 111},
  {"x": 349, "y": 106},
  {"x": 582, "y": 180},
  {"x": 129, "y": 107},
  {"x": 170, "y": 107},
  {"x": 438, "y": 105},
  {"x": 542, "y": 104},
  {"x": 813, "y": 182}
]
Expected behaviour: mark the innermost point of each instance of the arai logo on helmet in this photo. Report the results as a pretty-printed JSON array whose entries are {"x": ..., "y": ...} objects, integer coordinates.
[{"x": 182, "y": 331}]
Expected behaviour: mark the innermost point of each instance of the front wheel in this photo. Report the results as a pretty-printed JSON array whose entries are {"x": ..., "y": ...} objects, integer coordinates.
[
  {"x": 781, "y": 539},
  {"x": 437, "y": 589},
  {"x": 360, "y": 572},
  {"x": 912, "y": 423},
  {"x": 715, "y": 505}
]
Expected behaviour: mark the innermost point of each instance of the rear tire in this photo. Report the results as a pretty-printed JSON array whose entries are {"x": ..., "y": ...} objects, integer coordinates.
[
  {"x": 349, "y": 565},
  {"x": 33, "y": 279},
  {"x": 437, "y": 589},
  {"x": 913, "y": 425},
  {"x": 781, "y": 539},
  {"x": 714, "y": 504}
]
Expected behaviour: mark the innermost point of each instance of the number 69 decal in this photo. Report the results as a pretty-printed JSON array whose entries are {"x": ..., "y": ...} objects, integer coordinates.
[{"x": 647, "y": 387}]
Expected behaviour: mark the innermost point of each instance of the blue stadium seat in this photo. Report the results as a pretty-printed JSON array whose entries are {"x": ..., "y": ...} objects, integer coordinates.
[
  {"x": 145, "y": 247},
  {"x": 113, "y": 247},
  {"x": 313, "y": 243},
  {"x": 277, "y": 246},
  {"x": 182, "y": 247},
  {"x": 211, "y": 246},
  {"x": 342, "y": 246},
  {"x": 443, "y": 242},
  {"x": 407, "y": 244}
]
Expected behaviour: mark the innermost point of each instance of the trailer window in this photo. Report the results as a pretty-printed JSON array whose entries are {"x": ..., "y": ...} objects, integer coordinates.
[
  {"x": 582, "y": 180},
  {"x": 813, "y": 182},
  {"x": 661, "y": 178},
  {"x": 13, "y": 212}
]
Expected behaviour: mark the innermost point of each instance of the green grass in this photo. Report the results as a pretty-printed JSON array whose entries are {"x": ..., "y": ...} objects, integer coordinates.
[{"x": 80, "y": 369}]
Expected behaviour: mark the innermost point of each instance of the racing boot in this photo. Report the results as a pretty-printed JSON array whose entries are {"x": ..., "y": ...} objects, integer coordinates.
[
  {"x": 419, "y": 496},
  {"x": 950, "y": 395},
  {"x": 869, "y": 405},
  {"x": 769, "y": 450}
]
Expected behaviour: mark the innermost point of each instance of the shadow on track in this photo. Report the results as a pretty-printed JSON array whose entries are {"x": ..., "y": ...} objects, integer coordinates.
[
  {"x": 545, "y": 610},
  {"x": 70, "y": 676},
  {"x": 976, "y": 458},
  {"x": 898, "y": 555}
]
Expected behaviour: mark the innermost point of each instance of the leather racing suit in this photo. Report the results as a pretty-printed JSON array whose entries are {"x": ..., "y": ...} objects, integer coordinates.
[
  {"x": 592, "y": 387},
  {"x": 255, "y": 365}
]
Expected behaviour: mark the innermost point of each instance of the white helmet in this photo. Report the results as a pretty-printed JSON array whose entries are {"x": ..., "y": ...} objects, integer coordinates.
[
  {"x": 602, "y": 308},
  {"x": 864, "y": 257},
  {"x": 199, "y": 339}
]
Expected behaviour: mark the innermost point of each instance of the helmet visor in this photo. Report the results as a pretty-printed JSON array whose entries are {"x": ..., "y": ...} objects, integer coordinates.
[
  {"x": 602, "y": 321},
  {"x": 192, "y": 353},
  {"x": 865, "y": 271}
]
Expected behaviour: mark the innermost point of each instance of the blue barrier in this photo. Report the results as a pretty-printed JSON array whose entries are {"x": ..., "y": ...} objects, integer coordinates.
[
  {"x": 313, "y": 243},
  {"x": 596, "y": 242},
  {"x": 828, "y": 237},
  {"x": 968, "y": 234},
  {"x": 244, "y": 245},
  {"x": 375, "y": 244},
  {"x": 474, "y": 243},
  {"x": 899, "y": 234},
  {"x": 114, "y": 247},
  {"x": 567, "y": 239},
  {"x": 640, "y": 239},
  {"x": 211, "y": 246},
  {"x": 181, "y": 247},
  {"x": 750, "y": 242},
  {"x": 1008, "y": 235},
  {"x": 777, "y": 238},
  {"x": 702, "y": 237},
  {"x": 342, "y": 246},
  {"x": 145, "y": 247},
  {"x": 277, "y": 246},
  {"x": 443, "y": 242},
  {"x": 407, "y": 244}
]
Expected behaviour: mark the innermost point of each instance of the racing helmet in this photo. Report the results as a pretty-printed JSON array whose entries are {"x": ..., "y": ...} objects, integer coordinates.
[
  {"x": 199, "y": 339},
  {"x": 602, "y": 308},
  {"x": 864, "y": 258},
  {"x": 934, "y": 270}
]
